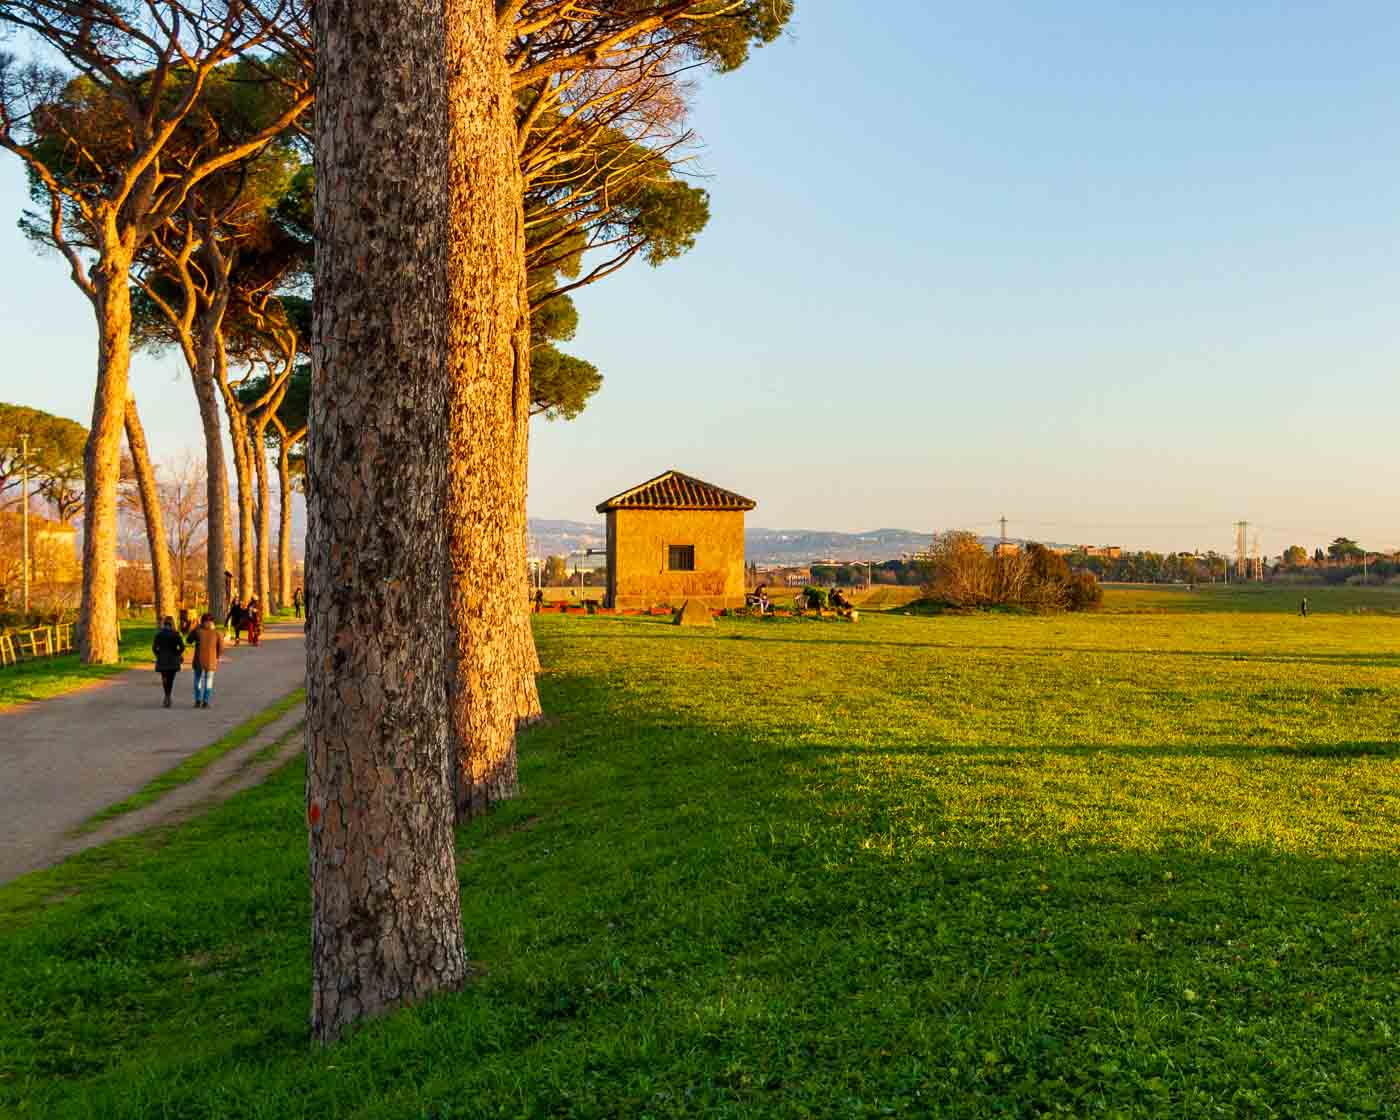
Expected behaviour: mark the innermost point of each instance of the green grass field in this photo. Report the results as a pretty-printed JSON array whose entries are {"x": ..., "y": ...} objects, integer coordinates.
[
  {"x": 1141, "y": 863},
  {"x": 50, "y": 676}
]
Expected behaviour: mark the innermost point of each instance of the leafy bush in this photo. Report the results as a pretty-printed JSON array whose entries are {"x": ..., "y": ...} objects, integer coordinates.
[
  {"x": 1084, "y": 592},
  {"x": 966, "y": 575}
]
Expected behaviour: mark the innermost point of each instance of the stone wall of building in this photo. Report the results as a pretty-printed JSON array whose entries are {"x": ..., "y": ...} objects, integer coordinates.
[{"x": 639, "y": 542}]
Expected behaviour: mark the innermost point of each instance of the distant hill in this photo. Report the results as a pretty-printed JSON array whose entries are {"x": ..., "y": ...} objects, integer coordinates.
[
  {"x": 793, "y": 546},
  {"x": 559, "y": 538},
  {"x": 763, "y": 546}
]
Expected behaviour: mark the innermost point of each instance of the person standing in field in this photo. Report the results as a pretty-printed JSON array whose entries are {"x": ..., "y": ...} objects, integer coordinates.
[
  {"x": 208, "y": 645},
  {"x": 1303, "y": 607},
  {"x": 169, "y": 649}
]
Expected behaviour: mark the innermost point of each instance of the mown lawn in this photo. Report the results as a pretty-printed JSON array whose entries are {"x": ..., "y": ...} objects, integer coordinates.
[
  {"x": 1136, "y": 864},
  {"x": 50, "y": 676}
]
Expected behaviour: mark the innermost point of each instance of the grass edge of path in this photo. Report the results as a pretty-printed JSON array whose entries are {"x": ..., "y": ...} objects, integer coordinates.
[
  {"x": 192, "y": 767},
  {"x": 37, "y": 679}
]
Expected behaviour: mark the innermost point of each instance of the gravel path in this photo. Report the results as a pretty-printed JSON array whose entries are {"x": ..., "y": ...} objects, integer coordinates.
[{"x": 64, "y": 760}]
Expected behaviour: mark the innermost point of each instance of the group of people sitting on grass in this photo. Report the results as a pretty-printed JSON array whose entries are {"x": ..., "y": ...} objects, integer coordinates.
[{"x": 757, "y": 601}]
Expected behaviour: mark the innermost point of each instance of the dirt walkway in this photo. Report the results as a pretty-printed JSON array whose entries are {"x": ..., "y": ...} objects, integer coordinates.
[{"x": 64, "y": 760}]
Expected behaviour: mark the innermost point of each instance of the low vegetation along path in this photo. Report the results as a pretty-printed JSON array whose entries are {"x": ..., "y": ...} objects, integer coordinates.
[{"x": 64, "y": 760}]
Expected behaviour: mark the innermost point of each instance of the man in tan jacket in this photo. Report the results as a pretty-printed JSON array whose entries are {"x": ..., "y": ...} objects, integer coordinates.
[{"x": 208, "y": 645}]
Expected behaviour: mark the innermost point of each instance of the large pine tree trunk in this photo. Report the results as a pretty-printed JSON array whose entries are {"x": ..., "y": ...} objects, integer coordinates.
[
  {"x": 216, "y": 493},
  {"x": 161, "y": 576},
  {"x": 284, "y": 522},
  {"x": 487, "y": 270},
  {"x": 523, "y": 653},
  {"x": 262, "y": 587},
  {"x": 97, "y": 620},
  {"x": 242, "y": 474},
  {"x": 386, "y": 918}
]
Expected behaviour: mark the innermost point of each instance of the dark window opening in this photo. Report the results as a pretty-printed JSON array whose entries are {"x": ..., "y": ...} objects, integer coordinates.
[{"x": 681, "y": 558}]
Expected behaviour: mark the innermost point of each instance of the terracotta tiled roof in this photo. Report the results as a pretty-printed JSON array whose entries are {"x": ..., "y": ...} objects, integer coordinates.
[{"x": 674, "y": 490}]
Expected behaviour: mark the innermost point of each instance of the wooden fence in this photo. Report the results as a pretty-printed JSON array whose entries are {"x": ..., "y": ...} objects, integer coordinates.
[{"x": 38, "y": 641}]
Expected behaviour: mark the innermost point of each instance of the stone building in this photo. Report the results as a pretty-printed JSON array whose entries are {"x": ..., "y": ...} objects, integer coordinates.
[
  {"x": 53, "y": 555},
  {"x": 674, "y": 538}
]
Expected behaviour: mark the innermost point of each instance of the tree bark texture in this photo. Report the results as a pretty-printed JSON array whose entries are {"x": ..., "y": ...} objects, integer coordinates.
[
  {"x": 284, "y": 523},
  {"x": 216, "y": 494},
  {"x": 262, "y": 586},
  {"x": 386, "y": 917},
  {"x": 162, "y": 577},
  {"x": 486, "y": 268},
  {"x": 523, "y": 652},
  {"x": 97, "y": 619},
  {"x": 242, "y": 473},
  {"x": 209, "y": 377}
]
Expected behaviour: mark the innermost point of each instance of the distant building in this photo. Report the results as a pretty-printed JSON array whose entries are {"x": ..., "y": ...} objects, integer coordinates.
[
  {"x": 673, "y": 538},
  {"x": 1100, "y": 552},
  {"x": 1006, "y": 548},
  {"x": 782, "y": 575},
  {"x": 53, "y": 554}
]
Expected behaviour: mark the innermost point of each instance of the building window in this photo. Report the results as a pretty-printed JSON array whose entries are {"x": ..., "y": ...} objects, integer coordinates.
[{"x": 681, "y": 558}]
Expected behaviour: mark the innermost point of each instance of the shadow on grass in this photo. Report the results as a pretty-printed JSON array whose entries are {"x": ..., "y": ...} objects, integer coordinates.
[
  {"x": 678, "y": 920},
  {"x": 1359, "y": 660}
]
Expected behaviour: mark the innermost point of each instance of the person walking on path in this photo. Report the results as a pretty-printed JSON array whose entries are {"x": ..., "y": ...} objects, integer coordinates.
[
  {"x": 253, "y": 617},
  {"x": 236, "y": 621},
  {"x": 169, "y": 649},
  {"x": 296, "y": 602},
  {"x": 208, "y": 645}
]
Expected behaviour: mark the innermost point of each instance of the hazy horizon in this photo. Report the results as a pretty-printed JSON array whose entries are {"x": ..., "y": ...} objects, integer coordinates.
[{"x": 1123, "y": 276}]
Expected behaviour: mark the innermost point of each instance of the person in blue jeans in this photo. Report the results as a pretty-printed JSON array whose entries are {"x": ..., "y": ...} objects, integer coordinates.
[{"x": 208, "y": 644}]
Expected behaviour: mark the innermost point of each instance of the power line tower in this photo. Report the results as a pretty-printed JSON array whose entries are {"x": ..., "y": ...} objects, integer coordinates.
[
  {"x": 1256, "y": 562},
  {"x": 1241, "y": 549}
]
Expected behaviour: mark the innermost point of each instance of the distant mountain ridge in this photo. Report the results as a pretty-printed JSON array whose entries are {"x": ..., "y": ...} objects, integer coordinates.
[
  {"x": 763, "y": 546},
  {"x": 796, "y": 546}
]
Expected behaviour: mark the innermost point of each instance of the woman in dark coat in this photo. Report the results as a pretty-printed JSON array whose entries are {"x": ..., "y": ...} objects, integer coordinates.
[
  {"x": 253, "y": 617},
  {"x": 169, "y": 649},
  {"x": 237, "y": 620}
]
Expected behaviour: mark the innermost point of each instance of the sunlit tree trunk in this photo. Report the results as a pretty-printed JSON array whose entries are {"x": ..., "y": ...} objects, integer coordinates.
[
  {"x": 161, "y": 577},
  {"x": 523, "y": 654},
  {"x": 263, "y": 529},
  {"x": 97, "y": 620},
  {"x": 284, "y": 524},
  {"x": 386, "y": 918},
  {"x": 216, "y": 483},
  {"x": 487, "y": 270},
  {"x": 242, "y": 473}
]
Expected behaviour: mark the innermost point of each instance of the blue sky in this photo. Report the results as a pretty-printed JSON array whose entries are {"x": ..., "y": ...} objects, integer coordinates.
[{"x": 1125, "y": 273}]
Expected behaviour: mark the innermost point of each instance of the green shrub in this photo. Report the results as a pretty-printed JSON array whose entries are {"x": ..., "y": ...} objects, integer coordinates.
[{"x": 1083, "y": 592}]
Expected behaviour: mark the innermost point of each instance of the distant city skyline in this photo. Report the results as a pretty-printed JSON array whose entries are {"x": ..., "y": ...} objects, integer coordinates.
[{"x": 1125, "y": 276}]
